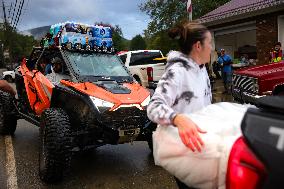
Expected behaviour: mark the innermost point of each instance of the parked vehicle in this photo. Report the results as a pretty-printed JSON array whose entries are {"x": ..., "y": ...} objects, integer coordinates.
[
  {"x": 254, "y": 82},
  {"x": 10, "y": 67},
  {"x": 146, "y": 66},
  {"x": 100, "y": 104},
  {"x": 256, "y": 158},
  {"x": 9, "y": 76}
]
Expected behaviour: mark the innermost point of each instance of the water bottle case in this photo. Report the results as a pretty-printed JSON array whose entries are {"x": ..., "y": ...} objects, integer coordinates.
[{"x": 78, "y": 36}]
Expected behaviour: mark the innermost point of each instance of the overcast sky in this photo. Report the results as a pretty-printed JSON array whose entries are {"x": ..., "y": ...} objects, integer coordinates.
[{"x": 124, "y": 13}]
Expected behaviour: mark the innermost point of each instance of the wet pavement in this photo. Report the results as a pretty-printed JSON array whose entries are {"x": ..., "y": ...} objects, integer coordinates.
[
  {"x": 217, "y": 90},
  {"x": 123, "y": 166}
]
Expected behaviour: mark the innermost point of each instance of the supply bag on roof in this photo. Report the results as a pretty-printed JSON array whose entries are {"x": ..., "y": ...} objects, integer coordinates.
[{"x": 206, "y": 169}]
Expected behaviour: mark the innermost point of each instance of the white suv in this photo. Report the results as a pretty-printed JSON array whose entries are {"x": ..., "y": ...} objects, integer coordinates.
[
  {"x": 146, "y": 66},
  {"x": 9, "y": 76}
]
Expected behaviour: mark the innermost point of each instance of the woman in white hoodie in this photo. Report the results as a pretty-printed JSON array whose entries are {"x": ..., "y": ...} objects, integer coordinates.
[{"x": 185, "y": 86}]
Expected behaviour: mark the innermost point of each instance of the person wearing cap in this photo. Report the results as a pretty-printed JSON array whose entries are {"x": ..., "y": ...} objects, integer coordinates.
[
  {"x": 57, "y": 73},
  {"x": 44, "y": 67},
  {"x": 225, "y": 62},
  {"x": 276, "y": 54}
]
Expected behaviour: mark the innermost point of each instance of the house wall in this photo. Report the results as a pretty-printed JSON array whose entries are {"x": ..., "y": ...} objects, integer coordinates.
[
  {"x": 266, "y": 36},
  {"x": 269, "y": 28}
]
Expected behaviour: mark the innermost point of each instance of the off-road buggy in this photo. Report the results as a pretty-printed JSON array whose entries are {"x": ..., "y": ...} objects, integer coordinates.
[{"x": 98, "y": 103}]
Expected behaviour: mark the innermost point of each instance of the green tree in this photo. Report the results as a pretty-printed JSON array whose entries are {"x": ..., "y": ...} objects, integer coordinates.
[
  {"x": 137, "y": 43},
  {"x": 19, "y": 45},
  {"x": 119, "y": 42},
  {"x": 165, "y": 14}
]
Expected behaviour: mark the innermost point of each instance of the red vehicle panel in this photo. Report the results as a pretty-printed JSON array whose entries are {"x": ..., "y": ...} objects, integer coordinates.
[
  {"x": 251, "y": 83},
  {"x": 38, "y": 88}
]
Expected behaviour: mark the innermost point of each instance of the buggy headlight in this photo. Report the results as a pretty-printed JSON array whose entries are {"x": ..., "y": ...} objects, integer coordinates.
[
  {"x": 101, "y": 103},
  {"x": 146, "y": 101}
]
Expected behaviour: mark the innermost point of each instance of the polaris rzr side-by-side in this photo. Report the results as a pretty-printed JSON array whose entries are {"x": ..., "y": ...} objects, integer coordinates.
[{"x": 95, "y": 102}]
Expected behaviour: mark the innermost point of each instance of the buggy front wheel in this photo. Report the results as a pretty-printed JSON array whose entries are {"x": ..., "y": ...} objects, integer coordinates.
[{"x": 55, "y": 143}]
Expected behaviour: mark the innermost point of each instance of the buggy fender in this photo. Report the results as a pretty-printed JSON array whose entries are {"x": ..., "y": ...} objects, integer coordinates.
[{"x": 77, "y": 105}]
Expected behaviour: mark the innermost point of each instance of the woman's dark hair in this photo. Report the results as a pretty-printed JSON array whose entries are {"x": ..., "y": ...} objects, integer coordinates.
[{"x": 188, "y": 33}]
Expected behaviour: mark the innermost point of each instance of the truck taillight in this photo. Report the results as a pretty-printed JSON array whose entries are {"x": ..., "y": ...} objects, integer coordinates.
[
  {"x": 150, "y": 73},
  {"x": 244, "y": 169}
]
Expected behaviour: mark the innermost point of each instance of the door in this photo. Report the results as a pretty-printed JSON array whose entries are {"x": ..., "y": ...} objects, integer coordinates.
[{"x": 281, "y": 30}]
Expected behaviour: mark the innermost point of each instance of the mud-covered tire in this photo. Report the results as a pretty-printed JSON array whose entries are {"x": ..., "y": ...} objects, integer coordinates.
[
  {"x": 8, "y": 118},
  {"x": 55, "y": 143}
]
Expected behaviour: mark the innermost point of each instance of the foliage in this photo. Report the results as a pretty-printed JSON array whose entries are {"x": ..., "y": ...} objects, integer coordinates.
[
  {"x": 137, "y": 43},
  {"x": 165, "y": 14},
  {"x": 19, "y": 45},
  {"x": 161, "y": 41},
  {"x": 119, "y": 42}
]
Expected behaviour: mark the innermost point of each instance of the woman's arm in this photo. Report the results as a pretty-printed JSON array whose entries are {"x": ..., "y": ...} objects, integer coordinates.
[{"x": 160, "y": 107}]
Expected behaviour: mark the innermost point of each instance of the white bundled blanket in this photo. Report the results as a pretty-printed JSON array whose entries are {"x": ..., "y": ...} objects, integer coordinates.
[{"x": 206, "y": 169}]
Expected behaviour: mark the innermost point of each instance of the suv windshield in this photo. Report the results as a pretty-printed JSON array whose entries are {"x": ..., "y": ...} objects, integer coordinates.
[{"x": 96, "y": 65}]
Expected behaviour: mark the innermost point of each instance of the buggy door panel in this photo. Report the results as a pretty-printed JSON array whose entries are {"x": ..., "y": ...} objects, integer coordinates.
[
  {"x": 44, "y": 92},
  {"x": 29, "y": 86},
  {"x": 38, "y": 88}
]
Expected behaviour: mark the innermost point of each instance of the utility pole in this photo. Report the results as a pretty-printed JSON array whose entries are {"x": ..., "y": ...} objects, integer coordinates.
[
  {"x": 6, "y": 47},
  {"x": 1, "y": 54}
]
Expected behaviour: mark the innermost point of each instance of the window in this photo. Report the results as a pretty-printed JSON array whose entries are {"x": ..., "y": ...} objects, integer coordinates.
[
  {"x": 44, "y": 64},
  {"x": 123, "y": 58},
  {"x": 97, "y": 65},
  {"x": 146, "y": 57},
  {"x": 33, "y": 58}
]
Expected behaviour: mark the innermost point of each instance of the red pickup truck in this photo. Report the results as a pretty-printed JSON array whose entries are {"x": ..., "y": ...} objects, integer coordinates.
[{"x": 254, "y": 82}]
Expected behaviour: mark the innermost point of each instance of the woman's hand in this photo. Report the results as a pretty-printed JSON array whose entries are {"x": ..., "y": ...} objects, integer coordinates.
[{"x": 189, "y": 132}]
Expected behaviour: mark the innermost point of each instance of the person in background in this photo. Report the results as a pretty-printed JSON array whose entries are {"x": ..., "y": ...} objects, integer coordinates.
[
  {"x": 185, "y": 86},
  {"x": 225, "y": 61},
  {"x": 216, "y": 67},
  {"x": 57, "y": 73},
  {"x": 44, "y": 67},
  {"x": 276, "y": 55},
  {"x": 47, "y": 69}
]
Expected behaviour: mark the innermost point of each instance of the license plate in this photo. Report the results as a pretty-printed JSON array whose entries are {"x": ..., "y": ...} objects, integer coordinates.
[{"x": 129, "y": 132}]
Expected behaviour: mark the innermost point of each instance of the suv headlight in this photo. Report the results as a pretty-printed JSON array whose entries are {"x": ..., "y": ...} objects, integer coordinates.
[
  {"x": 255, "y": 85},
  {"x": 146, "y": 101},
  {"x": 101, "y": 103}
]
